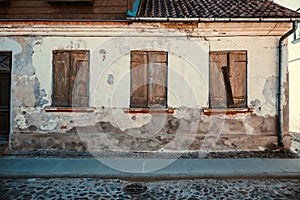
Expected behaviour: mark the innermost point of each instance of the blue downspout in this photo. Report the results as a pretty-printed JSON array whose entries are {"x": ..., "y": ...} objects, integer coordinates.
[
  {"x": 279, "y": 106},
  {"x": 134, "y": 10}
]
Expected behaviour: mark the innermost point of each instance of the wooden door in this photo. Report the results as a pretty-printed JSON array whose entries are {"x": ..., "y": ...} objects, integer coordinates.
[{"x": 5, "y": 76}]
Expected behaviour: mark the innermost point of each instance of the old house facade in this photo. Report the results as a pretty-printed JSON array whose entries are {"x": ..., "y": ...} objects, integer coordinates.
[{"x": 144, "y": 76}]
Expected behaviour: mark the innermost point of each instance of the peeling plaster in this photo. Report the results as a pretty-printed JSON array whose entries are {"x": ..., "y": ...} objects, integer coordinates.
[
  {"x": 40, "y": 95},
  {"x": 21, "y": 122},
  {"x": 23, "y": 60}
]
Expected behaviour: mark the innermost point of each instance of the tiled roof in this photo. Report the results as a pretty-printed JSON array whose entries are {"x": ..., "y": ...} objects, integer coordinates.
[{"x": 213, "y": 9}]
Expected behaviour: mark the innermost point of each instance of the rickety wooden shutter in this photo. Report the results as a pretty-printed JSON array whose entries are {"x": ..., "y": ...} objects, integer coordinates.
[
  {"x": 148, "y": 79},
  {"x": 238, "y": 76},
  {"x": 157, "y": 79},
  {"x": 139, "y": 79},
  {"x": 70, "y": 78},
  {"x": 228, "y": 76},
  {"x": 61, "y": 63},
  {"x": 217, "y": 91},
  {"x": 78, "y": 90}
]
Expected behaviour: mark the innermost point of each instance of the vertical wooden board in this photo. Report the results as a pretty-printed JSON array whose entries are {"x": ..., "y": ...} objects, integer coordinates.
[
  {"x": 139, "y": 85},
  {"x": 157, "y": 79},
  {"x": 78, "y": 76},
  {"x": 229, "y": 96},
  {"x": 139, "y": 80},
  {"x": 217, "y": 91},
  {"x": 4, "y": 119},
  {"x": 4, "y": 91},
  {"x": 238, "y": 77},
  {"x": 61, "y": 62}
]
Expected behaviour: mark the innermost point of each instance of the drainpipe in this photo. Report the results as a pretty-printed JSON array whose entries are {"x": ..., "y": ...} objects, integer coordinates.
[{"x": 280, "y": 84}]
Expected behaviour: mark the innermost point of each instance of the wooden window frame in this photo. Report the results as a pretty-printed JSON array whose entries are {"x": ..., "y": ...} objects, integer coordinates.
[
  {"x": 69, "y": 106},
  {"x": 145, "y": 108},
  {"x": 229, "y": 105}
]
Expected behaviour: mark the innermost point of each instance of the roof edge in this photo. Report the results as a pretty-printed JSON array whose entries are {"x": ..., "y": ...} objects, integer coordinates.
[{"x": 156, "y": 19}]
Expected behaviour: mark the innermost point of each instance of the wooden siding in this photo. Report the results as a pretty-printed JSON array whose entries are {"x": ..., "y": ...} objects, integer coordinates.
[{"x": 44, "y": 9}]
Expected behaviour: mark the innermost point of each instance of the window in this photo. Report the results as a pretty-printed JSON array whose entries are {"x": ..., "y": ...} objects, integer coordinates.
[
  {"x": 297, "y": 33},
  {"x": 5, "y": 78},
  {"x": 70, "y": 78},
  {"x": 148, "y": 79},
  {"x": 228, "y": 79}
]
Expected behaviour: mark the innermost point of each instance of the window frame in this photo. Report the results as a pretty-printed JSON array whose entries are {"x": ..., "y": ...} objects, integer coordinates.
[
  {"x": 55, "y": 105},
  {"x": 135, "y": 108},
  {"x": 243, "y": 108},
  {"x": 296, "y": 36}
]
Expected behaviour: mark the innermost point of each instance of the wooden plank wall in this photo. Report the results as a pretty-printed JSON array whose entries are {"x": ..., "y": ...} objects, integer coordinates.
[{"x": 42, "y": 9}]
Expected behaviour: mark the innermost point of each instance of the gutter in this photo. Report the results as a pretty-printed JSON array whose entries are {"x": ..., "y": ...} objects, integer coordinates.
[
  {"x": 167, "y": 19},
  {"x": 280, "y": 84}
]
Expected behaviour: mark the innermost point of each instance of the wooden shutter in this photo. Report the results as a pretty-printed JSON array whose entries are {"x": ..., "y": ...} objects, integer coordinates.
[
  {"x": 238, "y": 77},
  {"x": 61, "y": 62},
  {"x": 78, "y": 77},
  {"x": 139, "y": 80},
  {"x": 217, "y": 90},
  {"x": 157, "y": 79}
]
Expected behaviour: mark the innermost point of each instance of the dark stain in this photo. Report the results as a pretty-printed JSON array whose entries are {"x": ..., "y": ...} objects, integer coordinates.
[
  {"x": 32, "y": 128},
  {"x": 40, "y": 94}
]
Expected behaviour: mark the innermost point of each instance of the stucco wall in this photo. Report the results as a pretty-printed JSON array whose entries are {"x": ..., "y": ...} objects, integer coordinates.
[
  {"x": 188, "y": 128},
  {"x": 294, "y": 70}
]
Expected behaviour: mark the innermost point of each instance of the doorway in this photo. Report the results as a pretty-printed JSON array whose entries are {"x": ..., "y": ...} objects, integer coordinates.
[{"x": 5, "y": 87}]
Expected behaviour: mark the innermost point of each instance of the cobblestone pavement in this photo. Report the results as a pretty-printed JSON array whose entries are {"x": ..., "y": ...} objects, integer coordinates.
[{"x": 92, "y": 188}]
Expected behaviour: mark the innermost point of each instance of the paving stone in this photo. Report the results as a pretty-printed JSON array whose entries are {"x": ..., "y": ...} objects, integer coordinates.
[{"x": 93, "y": 188}]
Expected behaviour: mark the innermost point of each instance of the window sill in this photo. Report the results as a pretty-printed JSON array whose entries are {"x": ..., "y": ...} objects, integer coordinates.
[
  {"x": 70, "y": 109},
  {"x": 296, "y": 41},
  {"x": 228, "y": 111},
  {"x": 148, "y": 111}
]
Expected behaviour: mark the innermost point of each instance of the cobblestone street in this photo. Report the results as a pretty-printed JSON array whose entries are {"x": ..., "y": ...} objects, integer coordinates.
[{"x": 92, "y": 188}]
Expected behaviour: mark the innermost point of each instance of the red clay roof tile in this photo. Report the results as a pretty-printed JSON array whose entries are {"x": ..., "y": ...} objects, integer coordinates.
[{"x": 213, "y": 9}]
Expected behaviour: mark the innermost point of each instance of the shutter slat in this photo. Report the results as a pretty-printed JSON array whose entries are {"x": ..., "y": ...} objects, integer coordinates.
[
  {"x": 238, "y": 76},
  {"x": 60, "y": 78},
  {"x": 78, "y": 90},
  {"x": 139, "y": 81},
  {"x": 217, "y": 91},
  {"x": 157, "y": 79}
]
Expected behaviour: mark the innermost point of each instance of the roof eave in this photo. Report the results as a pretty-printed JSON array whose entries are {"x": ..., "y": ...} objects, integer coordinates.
[{"x": 166, "y": 19}]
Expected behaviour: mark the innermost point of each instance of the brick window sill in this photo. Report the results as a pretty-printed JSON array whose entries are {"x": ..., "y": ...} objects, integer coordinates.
[
  {"x": 227, "y": 111},
  {"x": 148, "y": 111},
  {"x": 70, "y": 109}
]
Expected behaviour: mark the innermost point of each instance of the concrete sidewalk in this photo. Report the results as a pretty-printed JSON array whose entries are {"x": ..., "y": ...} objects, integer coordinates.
[{"x": 149, "y": 169}]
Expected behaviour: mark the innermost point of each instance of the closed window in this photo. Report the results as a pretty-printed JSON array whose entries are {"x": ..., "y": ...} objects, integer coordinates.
[
  {"x": 148, "y": 79},
  {"x": 297, "y": 33},
  {"x": 228, "y": 79},
  {"x": 70, "y": 78}
]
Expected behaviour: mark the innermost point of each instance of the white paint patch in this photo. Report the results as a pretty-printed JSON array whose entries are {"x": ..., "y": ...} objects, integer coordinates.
[{"x": 21, "y": 121}]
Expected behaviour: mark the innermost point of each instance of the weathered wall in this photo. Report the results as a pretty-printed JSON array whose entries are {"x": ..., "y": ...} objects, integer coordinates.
[
  {"x": 109, "y": 127},
  {"x": 294, "y": 63}
]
